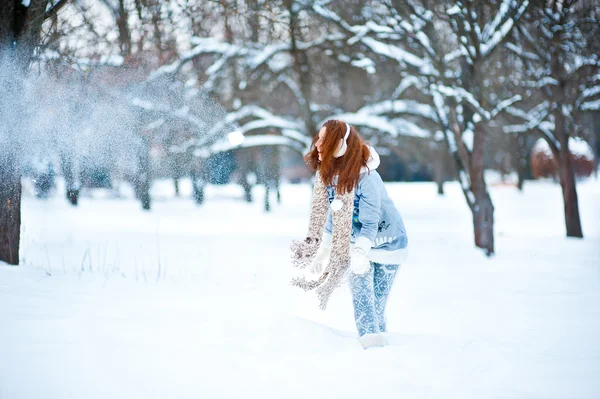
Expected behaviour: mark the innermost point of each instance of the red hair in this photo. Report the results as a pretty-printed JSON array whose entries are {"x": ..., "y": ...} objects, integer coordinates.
[{"x": 347, "y": 167}]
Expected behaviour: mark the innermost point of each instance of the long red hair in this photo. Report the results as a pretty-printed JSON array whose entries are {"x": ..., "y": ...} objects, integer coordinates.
[{"x": 347, "y": 167}]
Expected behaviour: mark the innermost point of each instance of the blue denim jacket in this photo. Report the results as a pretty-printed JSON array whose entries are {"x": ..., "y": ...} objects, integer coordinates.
[{"x": 376, "y": 218}]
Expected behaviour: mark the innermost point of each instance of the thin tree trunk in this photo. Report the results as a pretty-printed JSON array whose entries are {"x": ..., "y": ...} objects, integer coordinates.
[
  {"x": 20, "y": 28},
  {"x": 72, "y": 190},
  {"x": 483, "y": 219},
  {"x": 569, "y": 191},
  {"x": 267, "y": 199},
  {"x": 302, "y": 68},
  {"x": 483, "y": 209},
  {"x": 247, "y": 188},
  {"x": 10, "y": 209},
  {"x": 144, "y": 178},
  {"x": 523, "y": 145},
  {"x": 439, "y": 163},
  {"x": 566, "y": 175},
  {"x": 176, "y": 185}
]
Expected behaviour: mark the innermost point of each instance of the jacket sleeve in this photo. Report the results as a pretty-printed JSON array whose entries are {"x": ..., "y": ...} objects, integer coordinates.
[{"x": 369, "y": 208}]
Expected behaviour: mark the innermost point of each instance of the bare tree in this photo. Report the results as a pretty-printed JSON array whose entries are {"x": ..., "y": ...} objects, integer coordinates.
[
  {"x": 557, "y": 51},
  {"x": 20, "y": 34},
  {"x": 444, "y": 49}
]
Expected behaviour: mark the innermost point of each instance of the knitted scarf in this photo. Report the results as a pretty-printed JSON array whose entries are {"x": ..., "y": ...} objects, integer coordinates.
[{"x": 304, "y": 251}]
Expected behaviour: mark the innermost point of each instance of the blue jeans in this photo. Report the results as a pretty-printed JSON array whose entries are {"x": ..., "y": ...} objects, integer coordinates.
[{"x": 370, "y": 292}]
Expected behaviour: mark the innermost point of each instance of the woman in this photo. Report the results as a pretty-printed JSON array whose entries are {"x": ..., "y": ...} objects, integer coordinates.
[{"x": 361, "y": 220}]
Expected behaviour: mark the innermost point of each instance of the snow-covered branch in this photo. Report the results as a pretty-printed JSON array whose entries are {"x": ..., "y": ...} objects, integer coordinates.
[
  {"x": 400, "y": 107},
  {"x": 492, "y": 36},
  {"x": 250, "y": 141}
]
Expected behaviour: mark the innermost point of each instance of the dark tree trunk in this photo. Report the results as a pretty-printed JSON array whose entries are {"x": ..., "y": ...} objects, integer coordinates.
[
  {"x": 247, "y": 189},
  {"x": 569, "y": 191},
  {"x": 144, "y": 178},
  {"x": 72, "y": 188},
  {"x": 567, "y": 177},
  {"x": 278, "y": 190},
  {"x": 10, "y": 209},
  {"x": 483, "y": 220},
  {"x": 438, "y": 172},
  {"x": 20, "y": 29},
  {"x": 122, "y": 18},
  {"x": 267, "y": 199},
  {"x": 523, "y": 145},
  {"x": 442, "y": 164},
  {"x": 199, "y": 194},
  {"x": 176, "y": 185},
  {"x": 482, "y": 208},
  {"x": 198, "y": 174},
  {"x": 302, "y": 68}
]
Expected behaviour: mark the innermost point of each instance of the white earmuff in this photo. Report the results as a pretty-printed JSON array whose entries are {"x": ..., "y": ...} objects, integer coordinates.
[{"x": 343, "y": 143}]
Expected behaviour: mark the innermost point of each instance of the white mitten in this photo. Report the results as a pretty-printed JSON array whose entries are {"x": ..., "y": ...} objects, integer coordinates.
[
  {"x": 359, "y": 262},
  {"x": 315, "y": 269}
]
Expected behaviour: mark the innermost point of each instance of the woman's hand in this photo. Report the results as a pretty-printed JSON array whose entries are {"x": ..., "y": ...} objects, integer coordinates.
[
  {"x": 359, "y": 263},
  {"x": 316, "y": 267}
]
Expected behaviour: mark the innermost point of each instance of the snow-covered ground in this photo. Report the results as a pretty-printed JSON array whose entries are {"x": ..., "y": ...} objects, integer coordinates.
[{"x": 195, "y": 302}]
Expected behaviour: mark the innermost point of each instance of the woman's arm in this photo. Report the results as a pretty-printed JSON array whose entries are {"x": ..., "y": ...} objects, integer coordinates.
[{"x": 369, "y": 209}]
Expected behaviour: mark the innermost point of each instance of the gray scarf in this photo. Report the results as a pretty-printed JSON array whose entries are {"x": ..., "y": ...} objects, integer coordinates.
[{"x": 304, "y": 251}]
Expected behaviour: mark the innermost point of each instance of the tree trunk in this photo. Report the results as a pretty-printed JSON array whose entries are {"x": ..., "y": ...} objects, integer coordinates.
[
  {"x": 176, "y": 185},
  {"x": 20, "y": 28},
  {"x": 10, "y": 209},
  {"x": 72, "y": 187},
  {"x": 247, "y": 189},
  {"x": 11, "y": 145},
  {"x": 483, "y": 220},
  {"x": 267, "y": 199},
  {"x": 523, "y": 145},
  {"x": 143, "y": 178},
  {"x": 569, "y": 191},
  {"x": 566, "y": 175},
  {"x": 438, "y": 171},
  {"x": 440, "y": 187},
  {"x": 302, "y": 69},
  {"x": 482, "y": 208}
]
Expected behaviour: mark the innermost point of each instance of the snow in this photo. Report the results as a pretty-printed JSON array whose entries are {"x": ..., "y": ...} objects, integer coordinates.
[
  {"x": 394, "y": 127},
  {"x": 266, "y": 119},
  {"x": 382, "y": 124},
  {"x": 591, "y": 106},
  {"x": 221, "y": 320},
  {"x": 489, "y": 45},
  {"x": 468, "y": 136},
  {"x": 365, "y": 63},
  {"x": 519, "y": 50},
  {"x": 401, "y": 107},
  {"x": 405, "y": 83},
  {"x": 395, "y": 52},
  {"x": 201, "y": 46},
  {"x": 499, "y": 17},
  {"x": 590, "y": 91},
  {"x": 577, "y": 146},
  {"x": 253, "y": 141},
  {"x": 266, "y": 53},
  {"x": 502, "y": 105},
  {"x": 454, "y": 10},
  {"x": 460, "y": 93},
  {"x": 545, "y": 81}
]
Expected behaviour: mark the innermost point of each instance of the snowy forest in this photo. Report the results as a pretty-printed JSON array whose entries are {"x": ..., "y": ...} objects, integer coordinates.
[
  {"x": 455, "y": 87},
  {"x": 152, "y": 178}
]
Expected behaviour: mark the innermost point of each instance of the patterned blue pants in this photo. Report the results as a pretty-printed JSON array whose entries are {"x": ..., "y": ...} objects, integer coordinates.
[{"x": 370, "y": 292}]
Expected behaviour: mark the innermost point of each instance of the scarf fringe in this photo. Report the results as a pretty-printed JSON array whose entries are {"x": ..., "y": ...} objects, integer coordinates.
[{"x": 304, "y": 251}]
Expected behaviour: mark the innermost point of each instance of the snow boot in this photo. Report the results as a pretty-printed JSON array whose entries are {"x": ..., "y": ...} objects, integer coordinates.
[{"x": 371, "y": 340}]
